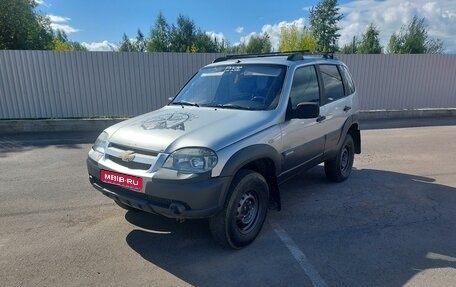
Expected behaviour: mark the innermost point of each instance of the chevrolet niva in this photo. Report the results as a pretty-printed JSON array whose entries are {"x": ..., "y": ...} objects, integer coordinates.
[{"x": 222, "y": 146}]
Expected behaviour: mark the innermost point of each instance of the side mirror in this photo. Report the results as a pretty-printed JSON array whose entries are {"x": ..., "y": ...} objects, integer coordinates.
[{"x": 306, "y": 110}]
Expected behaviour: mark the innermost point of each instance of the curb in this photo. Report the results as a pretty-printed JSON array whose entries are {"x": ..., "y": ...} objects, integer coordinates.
[
  {"x": 406, "y": 114},
  {"x": 99, "y": 124}
]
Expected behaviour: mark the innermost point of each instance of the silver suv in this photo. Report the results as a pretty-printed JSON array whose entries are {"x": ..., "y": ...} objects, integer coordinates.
[{"x": 222, "y": 146}]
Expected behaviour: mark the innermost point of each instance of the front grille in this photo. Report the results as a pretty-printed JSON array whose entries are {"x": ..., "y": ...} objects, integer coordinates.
[
  {"x": 146, "y": 161},
  {"x": 130, "y": 164},
  {"x": 136, "y": 150}
]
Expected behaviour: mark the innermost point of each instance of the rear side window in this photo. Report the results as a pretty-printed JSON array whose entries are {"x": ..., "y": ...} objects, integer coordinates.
[
  {"x": 332, "y": 81},
  {"x": 350, "y": 85},
  {"x": 305, "y": 86}
]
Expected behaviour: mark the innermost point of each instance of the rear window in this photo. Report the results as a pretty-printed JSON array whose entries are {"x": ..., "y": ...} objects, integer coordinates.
[
  {"x": 350, "y": 85},
  {"x": 332, "y": 82}
]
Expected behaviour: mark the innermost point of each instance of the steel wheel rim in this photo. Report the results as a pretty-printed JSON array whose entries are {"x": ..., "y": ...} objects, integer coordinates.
[
  {"x": 345, "y": 159},
  {"x": 247, "y": 211}
]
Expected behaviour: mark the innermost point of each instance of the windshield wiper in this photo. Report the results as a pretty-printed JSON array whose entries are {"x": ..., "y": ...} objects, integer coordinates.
[
  {"x": 233, "y": 106},
  {"x": 185, "y": 103}
]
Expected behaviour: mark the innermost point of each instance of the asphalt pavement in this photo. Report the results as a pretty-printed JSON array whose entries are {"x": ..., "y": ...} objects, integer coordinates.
[{"x": 392, "y": 223}]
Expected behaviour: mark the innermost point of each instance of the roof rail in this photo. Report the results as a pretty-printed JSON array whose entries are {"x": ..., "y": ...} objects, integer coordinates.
[{"x": 292, "y": 55}]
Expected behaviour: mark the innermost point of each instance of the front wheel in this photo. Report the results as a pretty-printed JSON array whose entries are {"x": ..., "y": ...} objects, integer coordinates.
[
  {"x": 242, "y": 218},
  {"x": 339, "y": 168}
]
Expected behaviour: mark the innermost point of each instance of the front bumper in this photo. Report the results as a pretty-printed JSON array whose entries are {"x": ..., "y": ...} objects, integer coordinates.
[{"x": 170, "y": 198}]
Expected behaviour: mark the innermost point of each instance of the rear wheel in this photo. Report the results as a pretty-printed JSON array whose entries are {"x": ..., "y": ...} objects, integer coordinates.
[
  {"x": 339, "y": 168},
  {"x": 242, "y": 218}
]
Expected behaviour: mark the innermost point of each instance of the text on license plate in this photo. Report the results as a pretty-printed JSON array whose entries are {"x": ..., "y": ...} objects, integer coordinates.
[{"x": 121, "y": 179}]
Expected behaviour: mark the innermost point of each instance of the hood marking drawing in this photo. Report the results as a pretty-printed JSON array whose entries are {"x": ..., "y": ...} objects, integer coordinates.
[{"x": 173, "y": 121}]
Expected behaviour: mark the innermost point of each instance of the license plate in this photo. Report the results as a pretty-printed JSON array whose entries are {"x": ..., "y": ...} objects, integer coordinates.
[{"x": 125, "y": 180}]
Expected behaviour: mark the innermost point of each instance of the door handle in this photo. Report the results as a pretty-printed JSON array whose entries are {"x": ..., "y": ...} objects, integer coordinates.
[
  {"x": 321, "y": 118},
  {"x": 347, "y": 108}
]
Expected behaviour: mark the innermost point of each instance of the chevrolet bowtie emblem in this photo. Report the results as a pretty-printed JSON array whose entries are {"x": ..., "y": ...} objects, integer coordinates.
[{"x": 127, "y": 155}]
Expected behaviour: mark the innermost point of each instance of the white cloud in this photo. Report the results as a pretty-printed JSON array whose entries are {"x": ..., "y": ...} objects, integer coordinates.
[
  {"x": 61, "y": 23},
  {"x": 104, "y": 46},
  {"x": 239, "y": 29},
  {"x": 58, "y": 19},
  {"x": 214, "y": 35},
  {"x": 391, "y": 15},
  {"x": 41, "y": 2},
  {"x": 63, "y": 27},
  {"x": 274, "y": 31}
]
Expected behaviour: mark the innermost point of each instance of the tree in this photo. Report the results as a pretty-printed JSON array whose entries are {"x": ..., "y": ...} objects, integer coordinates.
[
  {"x": 414, "y": 39},
  {"x": 351, "y": 48},
  {"x": 126, "y": 45},
  {"x": 22, "y": 28},
  {"x": 133, "y": 45},
  {"x": 236, "y": 49},
  {"x": 258, "y": 44},
  {"x": 293, "y": 40},
  {"x": 370, "y": 43},
  {"x": 159, "y": 36},
  {"x": 255, "y": 44},
  {"x": 77, "y": 46},
  {"x": 60, "y": 42},
  {"x": 204, "y": 43},
  {"x": 289, "y": 38},
  {"x": 324, "y": 18},
  {"x": 394, "y": 45},
  {"x": 308, "y": 41},
  {"x": 140, "y": 43},
  {"x": 182, "y": 35}
]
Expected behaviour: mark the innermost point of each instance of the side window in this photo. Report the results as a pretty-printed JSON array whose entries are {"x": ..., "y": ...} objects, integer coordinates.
[
  {"x": 348, "y": 80},
  {"x": 332, "y": 81},
  {"x": 305, "y": 86}
]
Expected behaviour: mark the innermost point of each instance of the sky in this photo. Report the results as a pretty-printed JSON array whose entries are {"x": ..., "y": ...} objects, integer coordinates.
[{"x": 100, "y": 24}]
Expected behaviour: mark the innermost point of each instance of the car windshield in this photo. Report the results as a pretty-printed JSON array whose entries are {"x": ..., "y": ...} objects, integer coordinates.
[{"x": 249, "y": 87}]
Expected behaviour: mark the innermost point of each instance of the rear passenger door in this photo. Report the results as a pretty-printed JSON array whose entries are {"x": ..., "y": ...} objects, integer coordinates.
[{"x": 336, "y": 105}]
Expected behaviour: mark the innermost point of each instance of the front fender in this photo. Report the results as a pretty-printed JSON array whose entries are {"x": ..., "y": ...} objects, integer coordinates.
[{"x": 249, "y": 154}]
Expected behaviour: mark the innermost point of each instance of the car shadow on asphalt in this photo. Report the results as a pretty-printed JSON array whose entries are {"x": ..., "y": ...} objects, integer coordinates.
[
  {"x": 13, "y": 143},
  {"x": 377, "y": 228}
]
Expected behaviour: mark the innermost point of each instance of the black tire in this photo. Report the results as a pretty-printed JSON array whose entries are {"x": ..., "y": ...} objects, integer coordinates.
[
  {"x": 124, "y": 206},
  {"x": 245, "y": 210},
  {"x": 339, "y": 168}
]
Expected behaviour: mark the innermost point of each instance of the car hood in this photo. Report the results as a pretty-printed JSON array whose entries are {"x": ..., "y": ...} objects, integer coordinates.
[{"x": 174, "y": 127}]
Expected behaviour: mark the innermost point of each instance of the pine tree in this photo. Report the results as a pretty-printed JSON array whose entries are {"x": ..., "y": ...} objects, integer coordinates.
[
  {"x": 159, "y": 36},
  {"x": 351, "y": 48},
  {"x": 126, "y": 45},
  {"x": 183, "y": 34},
  {"x": 414, "y": 39},
  {"x": 370, "y": 43},
  {"x": 140, "y": 43},
  {"x": 324, "y": 18}
]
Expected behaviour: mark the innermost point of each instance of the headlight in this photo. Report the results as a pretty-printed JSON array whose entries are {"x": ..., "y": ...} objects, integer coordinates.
[
  {"x": 191, "y": 160},
  {"x": 101, "y": 143}
]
